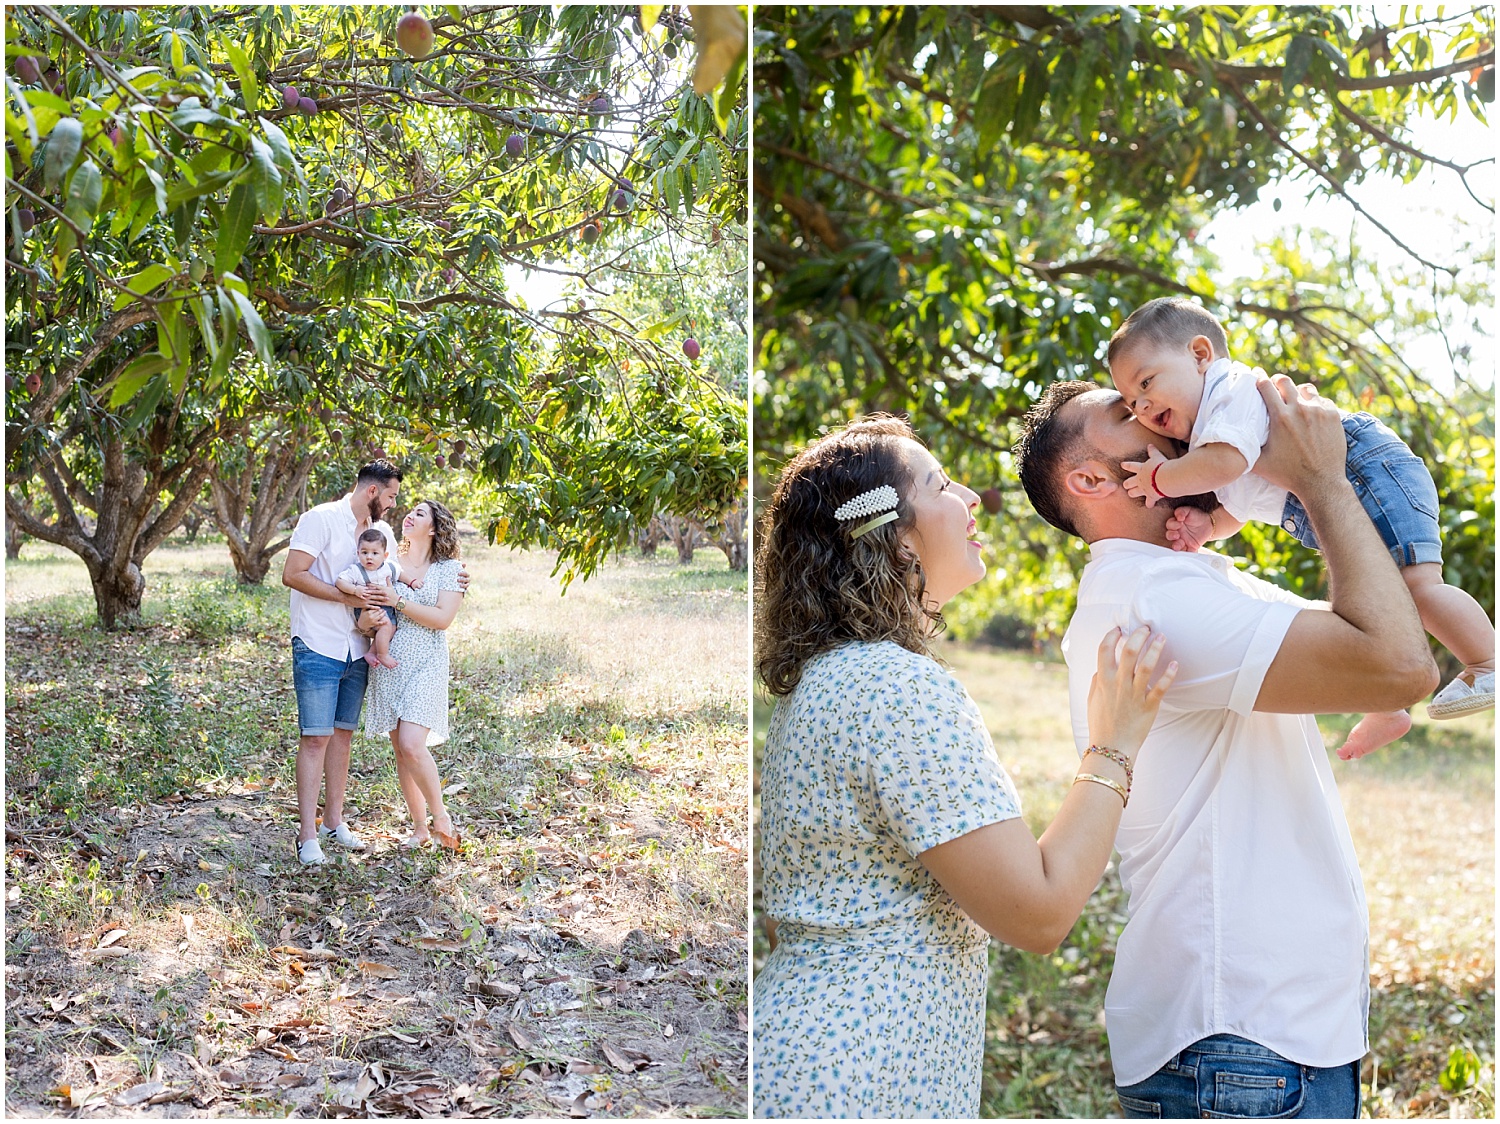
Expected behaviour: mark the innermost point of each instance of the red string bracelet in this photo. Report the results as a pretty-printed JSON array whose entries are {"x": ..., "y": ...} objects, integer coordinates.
[{"x": 1154, "y": 488}]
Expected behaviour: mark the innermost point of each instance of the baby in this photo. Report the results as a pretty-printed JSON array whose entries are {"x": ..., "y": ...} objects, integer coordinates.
[
  {"x": 377, "y": 621},
  {"x": 1170, "y": 362}
]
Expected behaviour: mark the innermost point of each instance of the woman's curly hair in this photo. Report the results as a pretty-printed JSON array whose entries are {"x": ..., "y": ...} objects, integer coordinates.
[
  {"x": 444, "y": 532},
  {"x": 815, "y": 587}
]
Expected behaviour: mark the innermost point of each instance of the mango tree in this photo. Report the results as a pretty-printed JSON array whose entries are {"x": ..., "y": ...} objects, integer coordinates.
[
  {"x": 220, "y": 214},
  {"x": 958, "y": 205}
]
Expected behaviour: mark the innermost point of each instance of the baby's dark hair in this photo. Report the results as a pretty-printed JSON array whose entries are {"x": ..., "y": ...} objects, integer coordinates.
[
  {"x": 373, "y": 534},
  {"x": 1168, "y": 321}
]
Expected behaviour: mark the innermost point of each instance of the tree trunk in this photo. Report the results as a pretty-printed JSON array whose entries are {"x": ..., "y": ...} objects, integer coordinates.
[
  {"x": 118, "y": 590},
  {"x": 651, "y": 537},
  {"x": 684, "y": 532},
  {"x": 13, "y": 538},
  {"x": 729, "y": 536},
  {"x": 249, "y": 504},
  {"x": 130, "y": 519},
  {"x": 192, "y": 521}
]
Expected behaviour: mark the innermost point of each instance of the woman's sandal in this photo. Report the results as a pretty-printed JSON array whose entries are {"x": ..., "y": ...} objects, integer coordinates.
[{"x": 412, "y": 843}]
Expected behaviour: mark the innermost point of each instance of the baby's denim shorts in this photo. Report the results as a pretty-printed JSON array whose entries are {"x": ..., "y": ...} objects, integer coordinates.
[{"x": 1392, "y": 484}]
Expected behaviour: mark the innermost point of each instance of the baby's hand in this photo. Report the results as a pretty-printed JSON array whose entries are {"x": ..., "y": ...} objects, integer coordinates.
[
  {"x": 1139, "y": 485},
  {"x": 415, "y": 583},
  {"x": 1188, "y": 529}
]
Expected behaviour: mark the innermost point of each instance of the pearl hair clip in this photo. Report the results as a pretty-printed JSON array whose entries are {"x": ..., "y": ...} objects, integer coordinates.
[{"x": 881, "y": 499}]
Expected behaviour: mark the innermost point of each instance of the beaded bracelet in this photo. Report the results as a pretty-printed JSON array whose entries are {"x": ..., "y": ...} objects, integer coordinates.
[
  {"x": 1118, "y": 758},
  {"x": 1106, "y": 782}
]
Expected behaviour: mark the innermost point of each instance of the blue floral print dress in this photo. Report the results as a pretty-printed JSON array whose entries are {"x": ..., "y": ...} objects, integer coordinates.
[{"x": 872, "y": 1004}]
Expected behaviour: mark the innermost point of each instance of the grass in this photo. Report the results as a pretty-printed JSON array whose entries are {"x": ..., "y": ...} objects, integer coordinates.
[
  {"x": 1422, "y": 817},
  {"x": 596, "y": 766}
]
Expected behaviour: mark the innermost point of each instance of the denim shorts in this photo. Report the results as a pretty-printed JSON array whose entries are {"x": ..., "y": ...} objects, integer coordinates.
[
  {"x": 1225, "y": 1076},
  {"x": 1392, "y": 484},
  {"x": 329, "y": 692}
]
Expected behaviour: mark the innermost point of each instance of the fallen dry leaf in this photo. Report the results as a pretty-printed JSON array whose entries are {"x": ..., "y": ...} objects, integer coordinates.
[
  {"x": 111, "y": 937},
  {"x": 624, "y": 1061},
  {"x": 522, "y": 1040},
  {"x": 383, "y": 971},
  {"x": 138, "y": 1093}
]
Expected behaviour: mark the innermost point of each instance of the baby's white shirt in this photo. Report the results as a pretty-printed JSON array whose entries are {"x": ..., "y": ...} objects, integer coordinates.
[
  {"x": 388, "y": 573},
  {"x": 1232, "y": 412}
]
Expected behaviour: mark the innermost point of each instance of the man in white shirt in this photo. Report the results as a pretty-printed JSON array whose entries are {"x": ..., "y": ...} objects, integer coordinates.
[
  {"x": 328, "y": 665},
  {"x": 1241, "y": 981}
]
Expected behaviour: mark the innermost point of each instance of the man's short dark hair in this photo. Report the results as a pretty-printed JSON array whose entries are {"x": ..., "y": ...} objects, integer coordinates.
[
  {"x": 1168, "y": 321},
  {"x": 372, "y": 534},
  {"x": 1048, "y": 447},
  {"x": 377, "y": 472}
]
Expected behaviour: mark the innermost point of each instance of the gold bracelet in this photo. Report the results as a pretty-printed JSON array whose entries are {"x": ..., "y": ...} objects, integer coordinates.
[
  {"x": 1107, "y": 783},
  {"x": 1118, "y": 758}
]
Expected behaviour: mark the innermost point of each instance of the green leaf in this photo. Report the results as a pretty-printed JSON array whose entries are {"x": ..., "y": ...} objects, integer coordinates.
[
  {"x": 265, "y": 177},
  {"x": 85, "y": 190},
  {"x": 129, "y": 382},
  {"x": 238, "y": 225},
  {"x": 144, "y": 283},
  {"x": 249, "y": 87},
  {"x": 260, "y": 335},
  {"x": 62, "y": 150},
  {"x": 279, "y": 145},
  {"x": 729, "y": 94},
  {"x": 1462, "y": 1070},
  {"x": 161, "y": 191},
  {"x": 1299, "y": 54},
  {"x": 205, "y": 186}
]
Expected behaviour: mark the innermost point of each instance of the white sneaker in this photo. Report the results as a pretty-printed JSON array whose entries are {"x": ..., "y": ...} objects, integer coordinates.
[
  {"x": 342, "y": 836},
  {"x": 311, "y": 853},
  {"x": 1459, "y": 698}
]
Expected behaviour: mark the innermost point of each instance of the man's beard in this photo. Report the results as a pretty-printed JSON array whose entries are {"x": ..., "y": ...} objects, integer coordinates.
[
  {"x": 1207, "y": 501},
  {"x": 376, "y": 511}
]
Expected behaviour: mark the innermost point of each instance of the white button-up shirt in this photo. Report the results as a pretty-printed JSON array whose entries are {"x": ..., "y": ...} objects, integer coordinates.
[
  {"x": 1246, "y": 910},
  {"x": 327, "y": 532}
]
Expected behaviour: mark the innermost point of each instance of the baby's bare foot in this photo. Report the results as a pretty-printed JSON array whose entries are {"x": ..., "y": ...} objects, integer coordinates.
[
  {"x": 1374, "y": 731},
  {"x": 388, "y": 663}
]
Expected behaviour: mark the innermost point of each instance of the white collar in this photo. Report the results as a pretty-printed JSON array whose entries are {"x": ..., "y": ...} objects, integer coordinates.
[{"x": 1103, "y": 548}]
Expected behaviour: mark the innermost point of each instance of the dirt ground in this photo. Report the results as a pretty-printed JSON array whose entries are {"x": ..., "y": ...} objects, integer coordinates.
[{"x": 373, "y": 996}]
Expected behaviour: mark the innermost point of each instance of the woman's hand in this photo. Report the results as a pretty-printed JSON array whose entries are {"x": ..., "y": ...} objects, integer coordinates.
[{"x": 1122, "y": 701}]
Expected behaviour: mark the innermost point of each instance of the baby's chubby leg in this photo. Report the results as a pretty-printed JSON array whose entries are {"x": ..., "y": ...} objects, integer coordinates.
[
  {"x": 1453, "y": 618},
  {"x": 381, "y": 646}
]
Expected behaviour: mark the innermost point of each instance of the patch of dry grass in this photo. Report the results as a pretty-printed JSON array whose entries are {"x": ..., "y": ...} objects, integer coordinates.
[{"x": 597, "y": 767}]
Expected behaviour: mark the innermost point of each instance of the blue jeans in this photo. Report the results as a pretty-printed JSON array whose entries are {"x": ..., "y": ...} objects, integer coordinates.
[
  {"x": 1228, "y": 1076},
  {"x": 1394, "y": 487},
  {"x": 329, "y": 692}
]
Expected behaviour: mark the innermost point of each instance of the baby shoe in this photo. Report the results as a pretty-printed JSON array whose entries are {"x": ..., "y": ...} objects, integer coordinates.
[{"x": 1460, "y": 698}]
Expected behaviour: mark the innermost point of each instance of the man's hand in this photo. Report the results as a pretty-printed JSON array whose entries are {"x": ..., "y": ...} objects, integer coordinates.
[
  {"x": 379, "y": 595},
  {"x": 1139, "y": 485},
  {"x": 1306, "y": 446},
  {"x": 1188, "y": 529}
]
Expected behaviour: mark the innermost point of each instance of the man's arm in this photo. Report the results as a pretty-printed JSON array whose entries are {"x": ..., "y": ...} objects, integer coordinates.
[
  {"x": 1369, "y": 652},
  {"x": 295, "y": 575}
]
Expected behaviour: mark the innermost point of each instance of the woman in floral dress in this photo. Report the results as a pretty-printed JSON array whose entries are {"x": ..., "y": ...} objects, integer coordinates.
[
  {"x": 891, "y": 842},
  {"x": 410, "y": 700}
]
